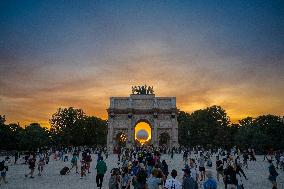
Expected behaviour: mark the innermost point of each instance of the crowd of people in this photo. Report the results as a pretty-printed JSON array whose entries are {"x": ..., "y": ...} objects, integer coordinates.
[{"x": 144, "y": 168}]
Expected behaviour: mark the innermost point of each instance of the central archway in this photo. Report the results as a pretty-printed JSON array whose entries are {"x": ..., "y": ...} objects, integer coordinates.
[{"x": 142, "y": 133}]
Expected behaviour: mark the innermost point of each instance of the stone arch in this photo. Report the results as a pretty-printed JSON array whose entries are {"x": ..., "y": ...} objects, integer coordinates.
[{"x": 159, "y": 112}]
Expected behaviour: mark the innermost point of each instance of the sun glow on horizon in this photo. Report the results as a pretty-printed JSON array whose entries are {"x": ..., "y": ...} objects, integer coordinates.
[{"x": 143, "y": 126}]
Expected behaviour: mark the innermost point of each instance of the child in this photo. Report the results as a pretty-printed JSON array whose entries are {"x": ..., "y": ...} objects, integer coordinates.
[{"x": 83, "y": 169}]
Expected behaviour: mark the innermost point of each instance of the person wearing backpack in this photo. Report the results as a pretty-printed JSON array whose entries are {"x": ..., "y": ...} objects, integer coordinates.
[
  {"x": 272, "y": 174},
  {"x": 101, "y": 170},
  {"x": 3, "y": 170},
  {"x": 210, "y": 183}
]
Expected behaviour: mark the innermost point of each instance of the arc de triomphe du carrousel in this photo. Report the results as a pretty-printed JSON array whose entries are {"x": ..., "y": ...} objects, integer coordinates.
[{"x": 142, "y": 118}]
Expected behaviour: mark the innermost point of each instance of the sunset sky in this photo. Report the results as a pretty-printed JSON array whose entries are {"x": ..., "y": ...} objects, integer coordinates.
[{"x": 79, "y": 53}]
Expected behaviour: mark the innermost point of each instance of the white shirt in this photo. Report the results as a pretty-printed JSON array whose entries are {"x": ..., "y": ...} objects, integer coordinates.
[
  {"x": 194, "y": 173},
  {"x": 172, "y": 184},
  {"x": 282, "y": 159}
]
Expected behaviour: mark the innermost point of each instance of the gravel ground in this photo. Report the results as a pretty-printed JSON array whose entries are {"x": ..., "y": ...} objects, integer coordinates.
[{"x": 257, "y": 175}]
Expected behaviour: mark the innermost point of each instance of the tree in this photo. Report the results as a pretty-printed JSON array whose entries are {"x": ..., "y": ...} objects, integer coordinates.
[
  {"x": 90, "y": 131},
  {"x": 10, "y": 135},
  {"x": 207, "y": 127},
  {"x": 63, "y": 123},
  {"x": 183, "y": 119},
  {"x": 263, "y": 132},
  {"x": 34, "y": 137},
  {"x": 270, "y": 132}
]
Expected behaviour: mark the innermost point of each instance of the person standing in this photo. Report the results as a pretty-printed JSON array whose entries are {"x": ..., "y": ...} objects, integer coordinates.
[
  {"x": 188, "y": 182},
  {"x": 139, "y": 180},
  {"x": 101, "y": 170},
  {"x": 282, "y": 161},
  {"x": 210, "y": 183},
  {"x": 41, "y": 164},
  {"x": 88, "y": 160},
  {"x": 165, "y": 168},
  {"x": 17, "y": 155},
  {"x": 272, "y": 174},
  {"x": 185, "y": 156},
  {"x": 230, "y": 177},
  {"x": 74, "y": 163},
  {"x": 3, "y": 170},
  {"x": 201, "y": 162},
  {"x": 194, "y": 173},
  {"x": 83, "y": 168},
  {"x": 239, "y": 167},
  {"x": 31, "y": 162},
  {"x": 125, "y": 179},
  {"x": 114, "y": 179},
  {"x": 154, "y": 182},
  {"x": 219, "y": 168},
  {"x": 172, "y": 182}
]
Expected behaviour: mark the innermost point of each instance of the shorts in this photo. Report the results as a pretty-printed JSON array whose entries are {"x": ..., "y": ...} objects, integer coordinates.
[
  {"x": 201, "y": 168},
  {"x": 31, "y": 167},
  {"x": 272, "y": 178},
  {"x": 221, "y": 172},
  {"x": 3, "y": 174}
]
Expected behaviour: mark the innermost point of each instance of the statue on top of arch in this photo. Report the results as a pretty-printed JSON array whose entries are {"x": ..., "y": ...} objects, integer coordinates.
[{"x": 144, "y": 90}]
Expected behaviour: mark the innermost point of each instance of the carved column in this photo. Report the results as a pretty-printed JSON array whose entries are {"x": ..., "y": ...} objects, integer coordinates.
[
  {"x": 110, "y": 134},
  {"x": 155, "y": 132}
]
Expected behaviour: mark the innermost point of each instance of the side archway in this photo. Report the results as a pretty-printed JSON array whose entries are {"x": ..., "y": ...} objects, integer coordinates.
[
  {"x": 121, "y": 139},
  {"x": 164, "y": 139}
]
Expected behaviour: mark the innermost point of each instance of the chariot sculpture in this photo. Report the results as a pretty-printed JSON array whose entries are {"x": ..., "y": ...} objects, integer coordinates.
[{"x": 144, "y": 90}]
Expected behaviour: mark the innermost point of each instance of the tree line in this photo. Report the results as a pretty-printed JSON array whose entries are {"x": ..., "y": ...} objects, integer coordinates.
[
  {"x": 210, "y": 127},
  {"x": 69, "y": 126}
]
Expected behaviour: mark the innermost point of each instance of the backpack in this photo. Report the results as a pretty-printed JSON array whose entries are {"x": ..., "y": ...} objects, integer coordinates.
[
  {"x": 2, "y": 167},
  {"x": 73, "y": 160}
]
